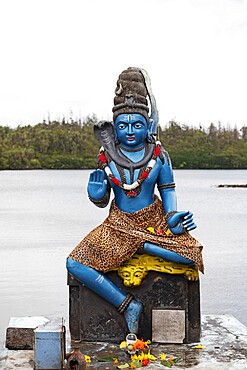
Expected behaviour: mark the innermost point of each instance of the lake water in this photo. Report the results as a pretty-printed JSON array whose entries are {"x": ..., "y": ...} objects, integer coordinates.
[{"x": 44, "y": 214}]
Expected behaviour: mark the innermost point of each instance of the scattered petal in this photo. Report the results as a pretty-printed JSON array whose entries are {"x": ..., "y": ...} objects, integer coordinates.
[
  {"x": 106, "y": 359},
  {"x": 162, "y": 356},
  {"x": 123, "y": 344},
  {"x": 200, "y": 346},
  {"x": 151, "y": 357},
  {"x": 171, "y": 359},
  {"x": 123, "y": 366},
  {"x": 87, "y": 358},
  {"x": 145, "y": 362},
  {"x": 134, "y": 357}
]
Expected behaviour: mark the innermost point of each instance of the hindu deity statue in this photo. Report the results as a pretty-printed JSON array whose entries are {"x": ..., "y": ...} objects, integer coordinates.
[{"x": 143, "y": 216}]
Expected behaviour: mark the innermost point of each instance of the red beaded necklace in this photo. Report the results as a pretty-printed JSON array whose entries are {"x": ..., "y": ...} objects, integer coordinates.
[{"x": 130, "y": 188}]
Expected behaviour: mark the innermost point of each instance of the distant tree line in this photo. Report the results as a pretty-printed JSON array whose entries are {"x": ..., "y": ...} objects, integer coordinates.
[
  {"x": 215, "y": 147},
  {"x": 72, "y": 145}
]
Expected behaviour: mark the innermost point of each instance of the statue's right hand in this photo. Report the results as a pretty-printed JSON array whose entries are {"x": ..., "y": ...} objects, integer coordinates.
[{"x": 96, "y": 187}]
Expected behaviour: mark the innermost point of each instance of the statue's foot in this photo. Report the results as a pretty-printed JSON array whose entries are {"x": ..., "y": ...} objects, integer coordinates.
[{"x": 132, "y": 314}]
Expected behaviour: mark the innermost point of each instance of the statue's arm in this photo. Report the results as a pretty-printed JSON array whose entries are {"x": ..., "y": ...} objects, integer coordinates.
[
  {"x": 178, "y": 221},
  {"x": 166, "y": 184},
  {"x": 98, "y": 188}
]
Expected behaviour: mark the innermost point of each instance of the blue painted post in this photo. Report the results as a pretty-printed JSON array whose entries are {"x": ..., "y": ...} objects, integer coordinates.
[{"x": 49, "y": 347}]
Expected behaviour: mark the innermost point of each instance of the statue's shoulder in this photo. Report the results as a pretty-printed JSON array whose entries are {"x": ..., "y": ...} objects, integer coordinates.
[{"x": 164, "y": 156}]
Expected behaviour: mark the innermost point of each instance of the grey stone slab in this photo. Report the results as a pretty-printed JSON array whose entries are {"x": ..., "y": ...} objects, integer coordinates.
[
  {"x": 168, "y": 326},
  {"x": 27, "y": 321}
]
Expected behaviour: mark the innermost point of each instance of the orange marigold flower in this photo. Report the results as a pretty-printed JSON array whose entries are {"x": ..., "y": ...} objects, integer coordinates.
[
  {"x": 171, "y": 359},
  {"x": 139, "y": 344}
]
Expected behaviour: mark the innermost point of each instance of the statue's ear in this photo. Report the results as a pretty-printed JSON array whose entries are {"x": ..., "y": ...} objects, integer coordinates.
[{"x": 150, "y": 124}]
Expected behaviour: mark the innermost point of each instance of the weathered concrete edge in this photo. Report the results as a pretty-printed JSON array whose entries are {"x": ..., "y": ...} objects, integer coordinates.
[{"x": 230, "y": 325}]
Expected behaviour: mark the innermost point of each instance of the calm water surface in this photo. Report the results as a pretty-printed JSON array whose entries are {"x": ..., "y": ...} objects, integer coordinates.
[{"x": 44, "y": 214}]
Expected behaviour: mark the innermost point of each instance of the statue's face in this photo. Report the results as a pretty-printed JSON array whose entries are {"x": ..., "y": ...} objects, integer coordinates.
[
  {"x": 131, "y": 129},
  {"x": 132, "y": 275}
]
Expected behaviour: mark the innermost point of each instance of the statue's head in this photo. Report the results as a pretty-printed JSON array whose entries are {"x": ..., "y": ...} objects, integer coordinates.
[
  {"x": 132, "y": 103},
  {"x": 131, "y": 129},
  {"x": 132, "y": 275},
  {"x": 133, "y": 97}
]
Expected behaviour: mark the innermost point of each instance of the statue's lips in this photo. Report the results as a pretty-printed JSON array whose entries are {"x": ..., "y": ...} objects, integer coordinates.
[{"x": 130, "y": 138}]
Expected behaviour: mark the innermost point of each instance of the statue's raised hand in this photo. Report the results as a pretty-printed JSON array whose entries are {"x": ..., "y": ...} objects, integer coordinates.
[
  {"x": 96, "y": 187},
  {"x": 180, "y": 222}
]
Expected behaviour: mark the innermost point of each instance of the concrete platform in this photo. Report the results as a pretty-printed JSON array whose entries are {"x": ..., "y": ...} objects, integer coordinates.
[{"x": 224, "y": 342}]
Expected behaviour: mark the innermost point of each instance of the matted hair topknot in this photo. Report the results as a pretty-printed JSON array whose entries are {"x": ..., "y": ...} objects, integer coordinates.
[{"x": 131, "y": 94}]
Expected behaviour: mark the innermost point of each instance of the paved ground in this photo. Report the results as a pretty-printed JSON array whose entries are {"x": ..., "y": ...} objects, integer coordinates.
[{"x": 224, "y": 342}]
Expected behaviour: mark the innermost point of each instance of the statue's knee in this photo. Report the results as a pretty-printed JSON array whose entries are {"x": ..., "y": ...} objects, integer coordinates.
[
  {"x": 81, "y": 272},
  {"x": 71, "y": 265}
]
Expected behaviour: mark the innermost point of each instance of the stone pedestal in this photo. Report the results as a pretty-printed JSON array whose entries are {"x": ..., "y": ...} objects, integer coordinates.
[{"x": 91, "y": 318}]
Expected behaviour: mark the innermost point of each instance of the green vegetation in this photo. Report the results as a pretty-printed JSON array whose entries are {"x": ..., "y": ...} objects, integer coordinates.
[
  {"x": 72, "y": 145},
  {"x": 214, "y": 148}
]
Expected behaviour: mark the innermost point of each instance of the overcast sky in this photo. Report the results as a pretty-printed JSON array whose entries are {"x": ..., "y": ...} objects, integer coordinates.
[{"x": 62, "y": 56}]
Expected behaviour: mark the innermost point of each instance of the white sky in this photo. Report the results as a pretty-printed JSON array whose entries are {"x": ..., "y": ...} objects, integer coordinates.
[{"x": 59, "y": 56}]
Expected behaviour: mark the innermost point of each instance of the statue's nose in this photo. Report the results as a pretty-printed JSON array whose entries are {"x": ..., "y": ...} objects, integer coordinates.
[{"x": 130, "y": 130}]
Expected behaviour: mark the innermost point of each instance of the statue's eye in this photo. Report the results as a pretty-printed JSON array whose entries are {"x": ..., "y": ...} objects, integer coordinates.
[
  {"x": 138, "y": 274},
  {"x": 126, "y": 274},
  {"x": 121, "y": 126},
  {"x": 138, "y": 125}
]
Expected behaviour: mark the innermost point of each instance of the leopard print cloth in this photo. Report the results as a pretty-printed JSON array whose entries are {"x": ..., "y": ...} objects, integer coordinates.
[{"x": 122, "y": 234}]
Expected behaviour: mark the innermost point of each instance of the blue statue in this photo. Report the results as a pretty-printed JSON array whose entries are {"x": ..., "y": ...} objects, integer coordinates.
[{"x": 131, "y": 163}]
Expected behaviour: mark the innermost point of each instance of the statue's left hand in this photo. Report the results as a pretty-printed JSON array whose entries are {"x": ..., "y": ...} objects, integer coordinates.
[{"x": 180, "y": 222}]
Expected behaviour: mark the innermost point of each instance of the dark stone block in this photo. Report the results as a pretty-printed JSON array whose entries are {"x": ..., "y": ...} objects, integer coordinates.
[
  {"x": 94, "y": 319},
  {"x": 19, "y": 338},
  {"x": 20, "y": 332}
]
